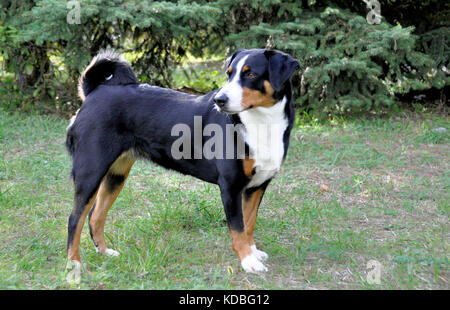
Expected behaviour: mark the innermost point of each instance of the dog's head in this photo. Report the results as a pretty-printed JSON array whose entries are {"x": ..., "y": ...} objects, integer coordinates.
[{"x": 256, "y": 78}]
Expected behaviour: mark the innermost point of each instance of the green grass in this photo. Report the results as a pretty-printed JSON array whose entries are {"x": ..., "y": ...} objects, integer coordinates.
[{"x": 387, "y": 200}]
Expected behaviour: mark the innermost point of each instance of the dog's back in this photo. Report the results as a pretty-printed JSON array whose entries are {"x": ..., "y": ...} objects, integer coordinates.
[{"x": 129, "y": 116}]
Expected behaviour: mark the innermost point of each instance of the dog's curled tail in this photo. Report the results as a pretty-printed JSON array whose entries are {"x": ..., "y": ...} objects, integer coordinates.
[{"x": 108, "y": 68}]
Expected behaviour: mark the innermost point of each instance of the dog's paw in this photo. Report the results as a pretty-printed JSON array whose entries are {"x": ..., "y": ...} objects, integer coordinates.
[
  {"x": 73, "y": 270},
  {"x": 260, "y": 255},
  {"x": 251, "y": 264},
  {"x": 108, "y": 252},
  {"x": 111, "y": 252}
]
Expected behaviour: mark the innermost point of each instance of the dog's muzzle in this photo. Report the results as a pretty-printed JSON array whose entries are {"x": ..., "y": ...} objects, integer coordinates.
[{"x": 221, "y": 100}]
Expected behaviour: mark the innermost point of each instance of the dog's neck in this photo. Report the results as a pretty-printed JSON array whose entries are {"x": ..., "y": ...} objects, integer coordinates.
[
  {"x": 264, "y": 133},
  {"x": 262, "y": 115}
]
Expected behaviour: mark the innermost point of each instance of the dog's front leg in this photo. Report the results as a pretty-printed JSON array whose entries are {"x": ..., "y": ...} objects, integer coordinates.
[{"x": 242, "y": 240}]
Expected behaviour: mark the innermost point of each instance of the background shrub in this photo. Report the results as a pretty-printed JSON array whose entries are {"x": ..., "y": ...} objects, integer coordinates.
[{"x": 348, "y": 65}]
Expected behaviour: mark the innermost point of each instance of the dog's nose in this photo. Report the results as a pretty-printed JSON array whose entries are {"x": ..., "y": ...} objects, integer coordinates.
[{"x": 221, "y": 100}]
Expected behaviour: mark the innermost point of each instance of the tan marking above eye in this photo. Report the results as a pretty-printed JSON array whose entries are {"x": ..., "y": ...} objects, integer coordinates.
[
  {"x": 229, "y": 69},
  {"x": 255, "y": 98},
  {"x": 245, "y": 68}
]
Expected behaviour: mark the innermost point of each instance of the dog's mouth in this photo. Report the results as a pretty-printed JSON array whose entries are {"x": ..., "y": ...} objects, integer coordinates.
[{"x": 224, "y": 110}]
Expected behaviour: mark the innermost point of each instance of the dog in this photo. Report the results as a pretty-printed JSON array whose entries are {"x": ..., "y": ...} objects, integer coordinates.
[{"x": 122, "y": 120}]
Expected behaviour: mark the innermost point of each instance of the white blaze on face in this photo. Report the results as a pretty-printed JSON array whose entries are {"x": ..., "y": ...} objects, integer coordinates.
[{"x": 233, "y": 89}]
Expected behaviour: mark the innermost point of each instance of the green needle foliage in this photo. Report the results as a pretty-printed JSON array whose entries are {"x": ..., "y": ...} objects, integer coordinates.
[
  {"x": 348, "y": 65},
  {"x": 154, "y": 35}
]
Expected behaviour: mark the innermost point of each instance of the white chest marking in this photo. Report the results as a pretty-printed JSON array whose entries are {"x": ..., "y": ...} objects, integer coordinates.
[{"x": 264, "y": 131}]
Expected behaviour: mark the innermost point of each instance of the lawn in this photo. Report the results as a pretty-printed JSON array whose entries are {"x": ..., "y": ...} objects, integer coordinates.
[{"x": 350, "y": 191}]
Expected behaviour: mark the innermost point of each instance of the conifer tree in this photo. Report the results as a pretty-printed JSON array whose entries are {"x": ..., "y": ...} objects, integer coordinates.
[{"x": 348, "y": 65}]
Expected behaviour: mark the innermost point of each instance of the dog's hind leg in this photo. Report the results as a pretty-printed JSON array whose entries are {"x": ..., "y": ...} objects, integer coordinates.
[
  {"x": 85, "y": 193},
  {"x": 90, "y": 165},
  {"x": 108, "y": 191}
]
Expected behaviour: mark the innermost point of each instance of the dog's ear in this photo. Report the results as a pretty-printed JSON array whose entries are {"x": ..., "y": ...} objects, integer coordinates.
[
  {"x": 281, "y": 67},
  {"x": 229, "y": 60}
]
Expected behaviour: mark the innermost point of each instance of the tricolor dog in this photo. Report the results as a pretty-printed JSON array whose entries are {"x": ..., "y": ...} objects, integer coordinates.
[{"x": 122, "y": 120}]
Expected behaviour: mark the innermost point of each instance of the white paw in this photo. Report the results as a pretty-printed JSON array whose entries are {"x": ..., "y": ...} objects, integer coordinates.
[
  {"x": 109, "y": 252},
  {"x": 251, "y": 264},
  {"x": 260, "y": 255},
  {"x": 73, "y": 272}
]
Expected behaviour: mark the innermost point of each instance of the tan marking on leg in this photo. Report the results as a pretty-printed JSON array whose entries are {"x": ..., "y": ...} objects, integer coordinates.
[
  {"x": 250, "y": 210},
  {"x": 105, "y": 200},
  {"x": 255, "y": 98},
  {"x": 248, "y": 166},
  {"x": 241, "y": 241},
  {"x": 123, "y": 164},
  {"x": 240, "y": 244},
  {"x": 73, "y": 251}
]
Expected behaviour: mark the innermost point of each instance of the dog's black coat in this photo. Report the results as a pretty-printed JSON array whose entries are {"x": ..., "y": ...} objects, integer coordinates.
[{"x": 119, "y": 114}]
